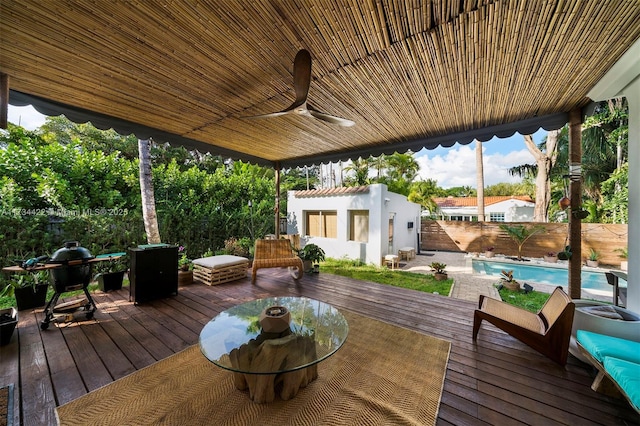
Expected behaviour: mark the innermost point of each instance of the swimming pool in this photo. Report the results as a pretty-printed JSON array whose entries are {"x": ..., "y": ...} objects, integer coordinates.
[{"x": 543, "y": 273}]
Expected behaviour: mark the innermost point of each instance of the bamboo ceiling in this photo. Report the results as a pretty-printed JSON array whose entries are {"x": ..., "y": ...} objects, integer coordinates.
[{"x": 409, "y": 73}]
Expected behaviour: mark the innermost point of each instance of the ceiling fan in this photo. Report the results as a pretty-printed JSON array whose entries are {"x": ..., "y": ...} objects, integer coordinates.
[{"x": 301, "y": 82}]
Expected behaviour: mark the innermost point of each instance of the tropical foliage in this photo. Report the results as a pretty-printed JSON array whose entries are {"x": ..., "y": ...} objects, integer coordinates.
[
  {"x": 397, "y": 171},
  {"x": 604, "y": 165},
  {"x": 67, "y": 182}
]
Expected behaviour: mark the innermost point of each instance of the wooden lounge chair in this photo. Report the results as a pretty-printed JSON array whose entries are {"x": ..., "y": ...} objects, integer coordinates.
[
  {"x": 275, "y": 254},
  {"x": 547, "y": 331}
]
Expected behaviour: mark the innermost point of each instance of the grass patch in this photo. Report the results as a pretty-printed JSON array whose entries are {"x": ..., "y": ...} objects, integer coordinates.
[
  {"x": 531, "y": 301},
  {"x": 382, "y": 275}
]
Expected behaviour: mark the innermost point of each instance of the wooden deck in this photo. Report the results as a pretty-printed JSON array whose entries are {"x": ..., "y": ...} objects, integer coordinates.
[{"x": 498, "y": 381}]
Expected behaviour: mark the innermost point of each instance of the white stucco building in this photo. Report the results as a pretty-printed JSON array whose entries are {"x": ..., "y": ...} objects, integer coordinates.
[
  {"x": 362, "y": 223},
  {"x": 496, "y": 208}
]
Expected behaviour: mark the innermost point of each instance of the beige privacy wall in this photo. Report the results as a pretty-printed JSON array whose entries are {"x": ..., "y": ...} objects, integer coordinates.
[{"x": 477, "y": 236}]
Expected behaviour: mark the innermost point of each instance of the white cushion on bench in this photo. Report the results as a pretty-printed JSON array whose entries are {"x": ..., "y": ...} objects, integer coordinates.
[{"x": 216, "y": 262}]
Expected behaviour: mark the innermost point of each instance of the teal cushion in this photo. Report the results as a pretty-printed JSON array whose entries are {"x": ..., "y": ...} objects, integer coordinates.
[
  {"x": 600, "y": 346},
  {"x": 627, "y": 375}
]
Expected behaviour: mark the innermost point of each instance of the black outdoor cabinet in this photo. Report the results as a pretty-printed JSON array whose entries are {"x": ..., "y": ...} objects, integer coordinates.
[{"x": 153, "y": 273}]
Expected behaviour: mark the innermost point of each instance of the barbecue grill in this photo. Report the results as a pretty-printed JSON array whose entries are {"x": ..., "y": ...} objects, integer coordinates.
[{"x": 73, "y": 273}]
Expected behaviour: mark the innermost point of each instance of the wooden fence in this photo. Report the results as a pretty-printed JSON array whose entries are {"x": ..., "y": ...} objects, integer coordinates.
[{"x": 477, "y": 236}]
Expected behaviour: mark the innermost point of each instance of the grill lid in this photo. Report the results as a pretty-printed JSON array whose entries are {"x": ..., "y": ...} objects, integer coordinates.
[{"x": 70, "y": 251}]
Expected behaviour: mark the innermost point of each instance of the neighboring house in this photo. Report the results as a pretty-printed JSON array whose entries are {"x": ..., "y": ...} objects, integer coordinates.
[
  {"x": 362, "y": 223},
  {"x": 496, "y": 208}
]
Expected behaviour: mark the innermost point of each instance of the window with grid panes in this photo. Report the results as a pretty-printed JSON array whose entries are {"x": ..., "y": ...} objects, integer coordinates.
[{"x": 496, "y": 217}]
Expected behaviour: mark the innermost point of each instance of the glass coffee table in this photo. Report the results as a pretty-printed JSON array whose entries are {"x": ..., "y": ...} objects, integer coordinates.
[{"x": 274, "y": 344}]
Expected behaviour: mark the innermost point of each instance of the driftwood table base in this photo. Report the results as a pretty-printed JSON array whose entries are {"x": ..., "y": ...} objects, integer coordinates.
[
  {"x": 273, "y": 354},
  {"x": 273, "y": 345}
]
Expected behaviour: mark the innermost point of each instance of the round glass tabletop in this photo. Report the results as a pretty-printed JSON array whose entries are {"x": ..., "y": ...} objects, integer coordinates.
[{"x": 235, "y": 339}]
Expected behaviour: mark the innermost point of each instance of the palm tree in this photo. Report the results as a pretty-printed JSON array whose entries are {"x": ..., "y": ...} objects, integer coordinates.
[
  {"x": 401, "y": 170},
  {"x": 379, "y": 163},
  {"x": 402, "y": 166},
  {"x": 520, "y": 234},
  {"x": 360, "y": 169},
  {"x": 468, "y": 191},
  {"x": 423, "y": 193},
  {"x": 146, "y": 191},
  {"x": 480, "y": 181}
]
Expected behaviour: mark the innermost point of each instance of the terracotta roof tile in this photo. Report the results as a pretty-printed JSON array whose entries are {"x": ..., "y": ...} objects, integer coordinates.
[
  {"x": 473, "y": 201},
  {"x": 332, "y": 191}
]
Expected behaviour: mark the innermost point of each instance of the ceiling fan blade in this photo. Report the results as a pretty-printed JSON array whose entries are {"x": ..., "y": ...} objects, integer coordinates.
[
  {"x": 271, "y": 114},
  {"x": 330, "y": 118},
  {"x": 301, "y": 76},
  {"x": 301, "y": 83}
]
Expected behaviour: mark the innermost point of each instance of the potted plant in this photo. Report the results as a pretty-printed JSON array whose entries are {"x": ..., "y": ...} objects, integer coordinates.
[
  {"x": 185, "y": 268},
  {"x": 110, "y": 273},
  {"x": 508, "y": 282},
  {"x": 579, "y": 213},
  {"x": 565, "y": 254},
  {"x": 440, "y": 274},
  {"x": 624, "y": 254},
  {"x": 488, "y": 252},
  {"x": 29, "y": 289},
  {"x": 8, "y": 322},
  {"x": 551, "y": 257},
  {"x": 311, "y": 254},
  {"x": 592, "y": 260}
]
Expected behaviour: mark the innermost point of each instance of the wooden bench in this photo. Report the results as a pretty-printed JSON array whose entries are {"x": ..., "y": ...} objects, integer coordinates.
[
  {"x": 215, "y": 270},
  {"x": 276, "y": 254}
]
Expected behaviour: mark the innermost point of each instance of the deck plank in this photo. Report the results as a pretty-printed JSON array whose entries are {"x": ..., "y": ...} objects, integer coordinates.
[
  {"x": 36, "y": 388},
  {"x": 496, "y": 380}
]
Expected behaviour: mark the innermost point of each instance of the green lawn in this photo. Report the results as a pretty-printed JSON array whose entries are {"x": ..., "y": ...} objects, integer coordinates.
[
  {"x": 383, "y": 275},
  {"x": 531, "y": 301}
]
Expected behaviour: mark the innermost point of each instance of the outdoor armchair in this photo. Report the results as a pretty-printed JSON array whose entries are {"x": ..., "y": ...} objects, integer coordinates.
[
  {"x": 547, "y": 331},
  {"x": 275, "y": 254}
]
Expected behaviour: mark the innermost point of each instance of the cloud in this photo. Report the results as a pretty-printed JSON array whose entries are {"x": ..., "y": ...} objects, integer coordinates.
[
  {"x": 450, "y": 167},
  {"x": 26, "y": 116},
  {"x": 457, "y": 166}
]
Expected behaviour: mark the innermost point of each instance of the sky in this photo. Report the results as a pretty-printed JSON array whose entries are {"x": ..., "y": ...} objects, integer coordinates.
[{"x": 450, "y": 167}]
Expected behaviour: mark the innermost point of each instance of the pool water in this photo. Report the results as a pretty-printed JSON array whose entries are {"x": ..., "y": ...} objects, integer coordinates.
[{"x": 551, "y": 274}]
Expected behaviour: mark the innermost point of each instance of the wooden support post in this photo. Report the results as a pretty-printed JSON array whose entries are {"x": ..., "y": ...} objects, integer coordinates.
[
  {"x": 575, "y": 190},
  {"x": 4, "y": 100},
  {"x": 277, "y": 209}
]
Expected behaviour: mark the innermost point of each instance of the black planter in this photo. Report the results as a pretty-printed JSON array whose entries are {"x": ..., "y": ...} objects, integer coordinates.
[
  {"x": 110, "y": 281},
  {"x": 27, "y": 298},
  {"x": 8, "y": 322}
]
